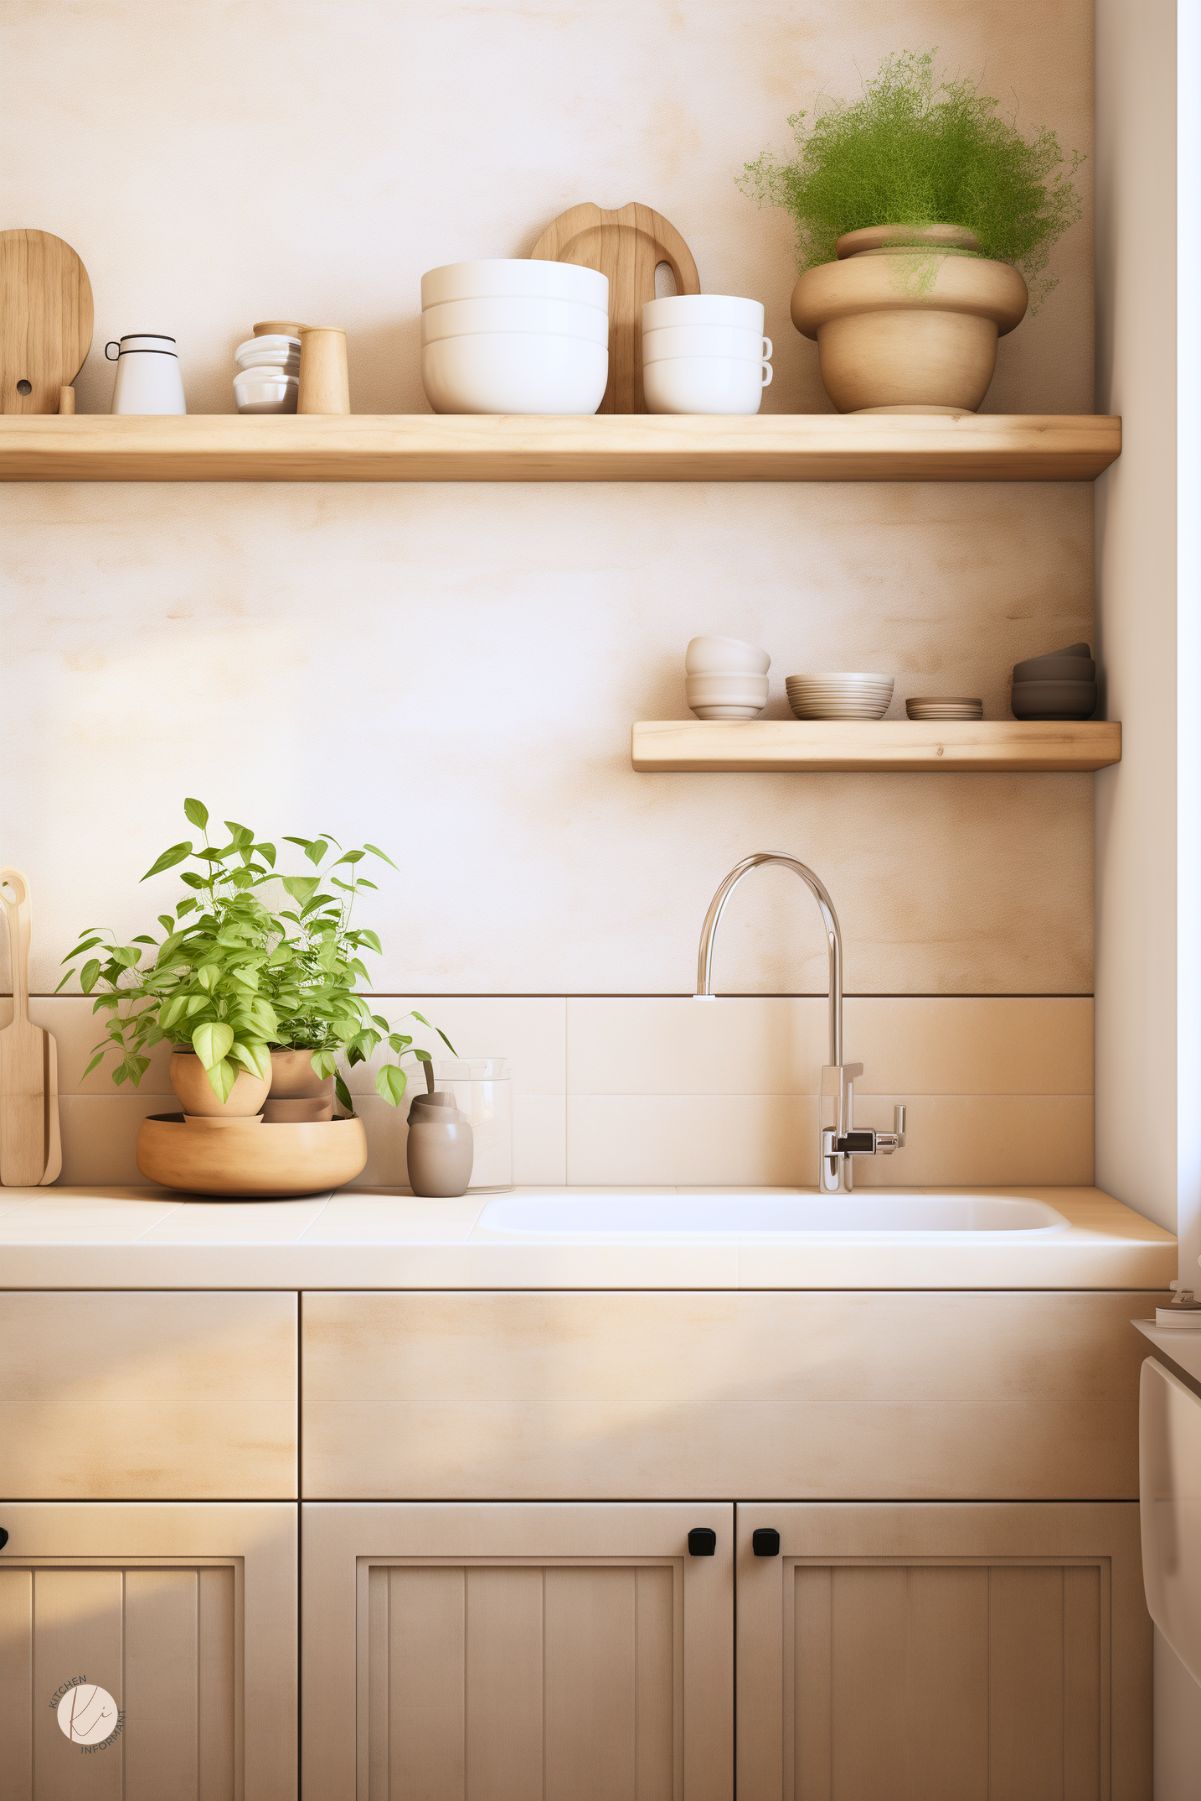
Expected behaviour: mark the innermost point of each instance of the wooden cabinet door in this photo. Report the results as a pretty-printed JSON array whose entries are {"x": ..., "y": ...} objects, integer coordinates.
[
  {"x": 168, "y": 1632},
  {"x": 958, "y": 1652},
  {"x": 517, "y": 1652}
]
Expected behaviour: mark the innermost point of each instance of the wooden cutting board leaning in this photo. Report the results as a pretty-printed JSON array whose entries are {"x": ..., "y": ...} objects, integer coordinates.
[
  {"x": 628, "y": 245},
  {"x": 45, "y": 320},
  {"x": 30, "y": 1148}
]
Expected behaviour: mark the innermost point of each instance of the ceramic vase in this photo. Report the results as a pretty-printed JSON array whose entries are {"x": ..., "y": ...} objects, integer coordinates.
[
  {"x": 440, "y": 1149},
  {"x": 907, "y": 319}
]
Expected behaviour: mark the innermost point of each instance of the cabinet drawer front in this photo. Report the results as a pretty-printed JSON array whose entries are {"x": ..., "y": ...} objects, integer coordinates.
[
  {"x": 148, "y": 1396},
  {"x": 665, "y": 1395},
  {"x": 517, "y": 1650},
  {"x": 172, "y": 1627},
  {"x": 919, "y": 1651}
]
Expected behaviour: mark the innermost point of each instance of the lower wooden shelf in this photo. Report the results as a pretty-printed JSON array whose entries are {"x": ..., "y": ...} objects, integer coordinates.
[{"x": 744, "y": 746}]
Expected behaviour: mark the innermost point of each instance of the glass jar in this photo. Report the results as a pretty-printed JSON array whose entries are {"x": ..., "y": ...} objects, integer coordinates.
[{"x": 483, "y": 1090}]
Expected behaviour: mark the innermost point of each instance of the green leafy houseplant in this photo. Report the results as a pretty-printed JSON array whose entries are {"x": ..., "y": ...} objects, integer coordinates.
[
  {"x": 314, "y": 969},
  {"x": 916, "y": 150},
  {"x": 232, "y": 977}
]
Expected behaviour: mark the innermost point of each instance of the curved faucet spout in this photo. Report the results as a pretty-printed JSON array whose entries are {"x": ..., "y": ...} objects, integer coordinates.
[{"x": 816, "y": 887}]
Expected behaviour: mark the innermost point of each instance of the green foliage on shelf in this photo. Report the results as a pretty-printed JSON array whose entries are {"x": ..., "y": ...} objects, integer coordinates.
[
  {"x": 249, "y": 960},
  {"x": 917, "y": 150}
]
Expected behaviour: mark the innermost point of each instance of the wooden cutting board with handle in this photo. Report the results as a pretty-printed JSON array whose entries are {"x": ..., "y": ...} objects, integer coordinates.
[
  {"x": 628, "y": 245},
  {"x": 45, "y": 320},
  {"x": 30, "y": 1150}
]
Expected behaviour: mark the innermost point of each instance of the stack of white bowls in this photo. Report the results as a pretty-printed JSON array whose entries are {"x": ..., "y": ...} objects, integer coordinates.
[
  {"x": 704, "y": 353},
  {"x": 725, "y": 678},
  {"x": 514, "y": 335},
  {"x": 268, "y": 374},
  {"x": 839, "y": 696}
]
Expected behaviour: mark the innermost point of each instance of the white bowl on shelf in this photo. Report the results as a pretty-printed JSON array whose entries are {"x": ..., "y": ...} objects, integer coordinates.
[
  {"x": 703, "y": 309},
  {"x": 274, "y": 350},
  {"x": 726, "y": 696},
  {"x": 715, "y": 655},
  {"x": 705, "y": 384},
  {"x": 470, "y": 318},
  {"x": 497, "y": 277},
  {"x": 263, "y": 389},
  {"x": 514, "y": 372}
]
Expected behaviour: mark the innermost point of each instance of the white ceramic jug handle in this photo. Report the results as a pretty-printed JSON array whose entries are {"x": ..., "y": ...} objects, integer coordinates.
[
  {"x": 112, "y": 345},
  {"x": 767, "y": 350},
  {"x": 767, "y": 375}
]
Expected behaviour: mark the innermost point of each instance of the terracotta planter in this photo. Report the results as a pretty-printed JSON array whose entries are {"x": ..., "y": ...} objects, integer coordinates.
[
  {"x": 298, "y": 1093},
  {"x": 906, "y": 320},
  {"x": 197, "y": 1097}
]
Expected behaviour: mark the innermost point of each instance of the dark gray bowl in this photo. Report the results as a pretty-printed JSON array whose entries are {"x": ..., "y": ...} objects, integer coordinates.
[
  {"x": 1058, "y": 668},
  {"x": 1054, "y": 700}
]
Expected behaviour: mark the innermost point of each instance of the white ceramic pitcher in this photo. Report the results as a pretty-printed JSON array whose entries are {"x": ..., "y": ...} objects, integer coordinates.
[{"x": 148, "y": 377}]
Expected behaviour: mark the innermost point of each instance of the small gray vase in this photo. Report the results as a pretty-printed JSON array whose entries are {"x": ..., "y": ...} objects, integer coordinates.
[{"x": 440, "y": 1149}]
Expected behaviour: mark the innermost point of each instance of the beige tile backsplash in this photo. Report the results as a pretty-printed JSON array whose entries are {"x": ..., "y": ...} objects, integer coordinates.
[{"x": 672, "y": 1090}]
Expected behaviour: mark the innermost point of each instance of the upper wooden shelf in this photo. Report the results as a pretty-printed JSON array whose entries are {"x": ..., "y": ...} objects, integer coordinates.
[
  {"x": 420, "y": 447},
  {"x": 899, "y": 746}
]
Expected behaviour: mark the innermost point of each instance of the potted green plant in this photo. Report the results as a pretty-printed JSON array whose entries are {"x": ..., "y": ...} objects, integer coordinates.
[
  {"x": 198, "y": 986},
  {"x": 313, "y": 977},
  {"x": 235, "y": 983},
  {"x": 921, "y": 216}
]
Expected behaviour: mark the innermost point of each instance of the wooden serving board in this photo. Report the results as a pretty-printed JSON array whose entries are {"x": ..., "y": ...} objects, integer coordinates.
[
  {"x": 30, "y": 1149},
  {"x": 627, "y": 245},
  {"x": 45, "y": 320}
]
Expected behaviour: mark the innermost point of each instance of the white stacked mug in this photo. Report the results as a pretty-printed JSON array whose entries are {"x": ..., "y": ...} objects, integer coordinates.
[
  {"x": 514, "y": 335},
  {"x": 704, "y": 353}
]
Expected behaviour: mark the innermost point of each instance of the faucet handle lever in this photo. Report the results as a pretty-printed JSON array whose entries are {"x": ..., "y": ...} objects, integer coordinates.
[{"x": 898, "y": 1122}]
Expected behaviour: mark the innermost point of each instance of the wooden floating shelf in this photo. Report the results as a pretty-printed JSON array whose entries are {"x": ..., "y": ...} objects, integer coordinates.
[
  {"x": 420, "y": 447},
  {"x": 896, "y": 746}
]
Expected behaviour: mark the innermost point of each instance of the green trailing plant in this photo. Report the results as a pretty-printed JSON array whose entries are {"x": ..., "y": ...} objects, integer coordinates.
[
  {"x": 250, "y": 959},
  {"x": 917, "y": 150},
  {"x": 319, "y": 963}
]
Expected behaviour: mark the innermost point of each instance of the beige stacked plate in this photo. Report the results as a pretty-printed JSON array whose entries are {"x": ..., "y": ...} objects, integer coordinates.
[
  {"x": 842, "y": 696},
  {"x": 953, "y": 706}
]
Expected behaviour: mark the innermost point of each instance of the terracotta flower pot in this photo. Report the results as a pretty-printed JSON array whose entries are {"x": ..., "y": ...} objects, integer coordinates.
[
  {"x": 298, "y": 1093},
  {"x": 906, "y": 320},
  {"x": 198, "y": 1098}
]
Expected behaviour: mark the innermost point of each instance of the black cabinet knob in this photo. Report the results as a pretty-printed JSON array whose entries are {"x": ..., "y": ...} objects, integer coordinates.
[
  {"x": 3, "y": 1537},
  {"x": 702, "y": 1541},
  {"x": 765, "y": 1541}
]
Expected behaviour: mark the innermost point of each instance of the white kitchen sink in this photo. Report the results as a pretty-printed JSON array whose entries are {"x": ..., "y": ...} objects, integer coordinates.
[{"x": 756, "y": 1214}]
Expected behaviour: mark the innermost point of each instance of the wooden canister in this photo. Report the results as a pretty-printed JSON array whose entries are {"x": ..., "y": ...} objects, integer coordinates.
[{"x": 324, "y": 380}]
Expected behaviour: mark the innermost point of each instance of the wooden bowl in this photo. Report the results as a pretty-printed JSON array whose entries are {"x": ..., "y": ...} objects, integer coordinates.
[{"x": 305, "y": 1157}]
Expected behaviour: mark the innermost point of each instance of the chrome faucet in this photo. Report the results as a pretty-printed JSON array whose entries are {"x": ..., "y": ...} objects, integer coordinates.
[{"x": 840, "y": 1138}]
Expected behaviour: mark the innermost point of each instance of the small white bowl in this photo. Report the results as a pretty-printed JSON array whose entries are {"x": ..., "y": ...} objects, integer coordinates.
[
  {"x": 720, "y": 712},
  {"x": 468, "y": 318},
  {"x": 713, "y": 655},
  {"x": 514, "y": 372},
  {"x": 697, "y": 384},
  {"x": 732, "y": 690},
  {"x": 274, "y": 350},
  {"x": 704, "y": 340},
  {"x": 496, "y": 277},
  {"x": 703, "y": 309},
  {"x": 266, "y": 390}
]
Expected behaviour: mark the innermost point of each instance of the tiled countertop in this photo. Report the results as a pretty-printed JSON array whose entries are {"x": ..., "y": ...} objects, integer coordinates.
[{"x": 147, "y": 1238}]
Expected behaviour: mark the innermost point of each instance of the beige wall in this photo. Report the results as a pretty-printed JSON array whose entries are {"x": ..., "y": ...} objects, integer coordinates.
[
  {"x": 453, "y": 671},
  {"x": 1136, "y": 595}
]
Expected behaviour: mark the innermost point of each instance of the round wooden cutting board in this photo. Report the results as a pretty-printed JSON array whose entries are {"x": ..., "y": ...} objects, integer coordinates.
[
  {"x": 628, "y": 245},
  {"x": 45, "y": 320}
]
